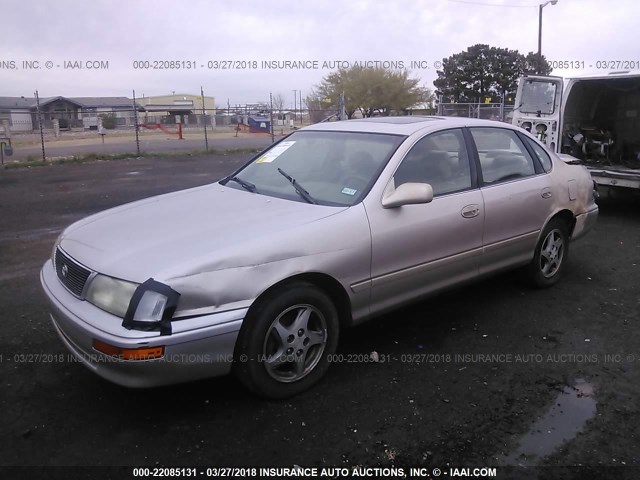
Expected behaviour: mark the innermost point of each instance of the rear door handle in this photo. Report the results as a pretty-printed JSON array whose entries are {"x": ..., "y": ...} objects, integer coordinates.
[
  {"x": 470, "y": 211},
  {"x": 546, "y": 193}
]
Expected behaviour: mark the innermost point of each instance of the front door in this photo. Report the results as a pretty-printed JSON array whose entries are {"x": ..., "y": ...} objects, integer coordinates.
[{"x": 418, "y": 249}]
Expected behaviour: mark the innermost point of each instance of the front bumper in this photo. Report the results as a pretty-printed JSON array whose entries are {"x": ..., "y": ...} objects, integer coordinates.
[
  {"x": 200, "y": 347},
  {"x": 584, "y": 223}
]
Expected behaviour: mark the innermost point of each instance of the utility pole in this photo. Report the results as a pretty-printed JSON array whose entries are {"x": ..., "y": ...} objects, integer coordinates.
[
  {"x": 39, "y": 113},
  {"x": 135, "y": 117},
  {"x": 301, "y": 112},
  {"x": 204, "y": 121},
  {"x": 271, "y": 116},
  {"x": 295, "y": 95}
]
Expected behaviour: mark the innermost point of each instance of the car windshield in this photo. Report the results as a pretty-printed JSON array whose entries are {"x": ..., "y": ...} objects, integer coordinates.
[
  {"x": 538, "y": 96},
  {"x": 324, "y": 167}
]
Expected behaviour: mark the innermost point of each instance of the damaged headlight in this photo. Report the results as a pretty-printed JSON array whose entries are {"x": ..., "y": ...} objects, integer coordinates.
[
  {"x": 148, "y": 306},
  {"x": 151, "y": 308},
  {"x": 110, "y": 294}
]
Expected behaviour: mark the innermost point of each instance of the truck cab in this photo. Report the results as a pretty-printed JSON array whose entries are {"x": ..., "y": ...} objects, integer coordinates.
[{"x": 595, "y": 118}]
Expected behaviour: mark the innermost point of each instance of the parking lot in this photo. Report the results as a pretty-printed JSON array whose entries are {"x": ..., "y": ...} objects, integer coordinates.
[{"x": 466, "y": 378}]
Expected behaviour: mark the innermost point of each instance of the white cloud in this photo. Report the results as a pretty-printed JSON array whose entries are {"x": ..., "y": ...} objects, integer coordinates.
[{"x": 198, "y": 30}]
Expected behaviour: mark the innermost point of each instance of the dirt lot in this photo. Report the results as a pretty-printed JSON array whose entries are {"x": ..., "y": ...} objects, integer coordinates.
[
  {"x": 117, "y": 142},
  {"x": 487, "y": 375}
]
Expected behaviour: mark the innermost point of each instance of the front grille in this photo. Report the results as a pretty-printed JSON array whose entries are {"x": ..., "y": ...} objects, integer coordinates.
[{"x": 71, "y": 274}]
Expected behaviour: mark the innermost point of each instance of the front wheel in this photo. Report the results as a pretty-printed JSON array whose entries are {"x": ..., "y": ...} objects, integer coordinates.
[
  {"x": 550, "y": 256},
  {"x": 284, "y": 343}
]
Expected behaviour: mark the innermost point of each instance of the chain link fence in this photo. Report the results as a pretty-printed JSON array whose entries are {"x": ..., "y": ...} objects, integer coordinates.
[
  {"x": 486, "y": 111},
  {"x": 120, "y": 131},
  {"x": 84, "y": 134}
]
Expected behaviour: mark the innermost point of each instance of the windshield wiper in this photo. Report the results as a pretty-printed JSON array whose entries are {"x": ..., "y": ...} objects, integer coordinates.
[
  {"x": 246, "y": 185},
  {"x": 301, "y": 191}
]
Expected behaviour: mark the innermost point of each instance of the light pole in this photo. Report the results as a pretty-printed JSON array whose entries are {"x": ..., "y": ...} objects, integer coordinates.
[{"x": 542, "y": 5}]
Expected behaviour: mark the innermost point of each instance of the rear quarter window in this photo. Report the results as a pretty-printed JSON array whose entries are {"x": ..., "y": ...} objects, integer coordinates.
[{"x": 543, "y": 156}]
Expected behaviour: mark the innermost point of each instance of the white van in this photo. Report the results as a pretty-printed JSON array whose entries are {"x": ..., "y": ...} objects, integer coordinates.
[{"x": 595, "y": 118}]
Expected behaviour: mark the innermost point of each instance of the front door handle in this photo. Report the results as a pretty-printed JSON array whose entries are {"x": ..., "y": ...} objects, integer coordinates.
[{"x": 470, "y": 211}]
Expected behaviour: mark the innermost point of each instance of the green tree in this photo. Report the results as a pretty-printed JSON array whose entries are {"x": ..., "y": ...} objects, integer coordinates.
[
  {"x": 531, "y": 64},
  {"x": 482, "y": 72},
  {"x": 318, "y": 107},
  {"x": 372, "y": 90},
  {"x": 109, "y": 120}
]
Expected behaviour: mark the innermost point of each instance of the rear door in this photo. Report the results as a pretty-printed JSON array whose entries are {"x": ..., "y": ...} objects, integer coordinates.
[
  {"x": 517, "y": 197},
  {"x": 539, "y": 108}
]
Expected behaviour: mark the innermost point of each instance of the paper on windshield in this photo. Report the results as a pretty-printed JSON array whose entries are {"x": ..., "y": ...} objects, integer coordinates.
[{"x": 275, "y": 152}]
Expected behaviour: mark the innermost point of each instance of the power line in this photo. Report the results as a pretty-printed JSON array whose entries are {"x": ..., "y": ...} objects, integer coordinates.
[{"x": 485, "y": 4}]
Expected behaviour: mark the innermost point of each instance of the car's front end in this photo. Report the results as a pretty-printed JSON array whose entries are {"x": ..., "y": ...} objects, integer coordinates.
[
  {"x": 134, "y": 355},
  {"x": 145, "y": 301}
]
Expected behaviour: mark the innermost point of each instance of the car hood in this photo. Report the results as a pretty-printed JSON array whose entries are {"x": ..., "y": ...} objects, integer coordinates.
[{"x": 168, "y": 235}]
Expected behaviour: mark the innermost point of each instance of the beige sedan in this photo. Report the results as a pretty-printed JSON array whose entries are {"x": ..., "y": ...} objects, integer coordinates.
[{"x": 337, "y": 223}]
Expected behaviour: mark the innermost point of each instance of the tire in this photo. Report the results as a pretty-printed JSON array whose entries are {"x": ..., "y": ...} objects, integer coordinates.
[
  {"x": 550, "y": 256},
  {"x": 285, "y": 341}
]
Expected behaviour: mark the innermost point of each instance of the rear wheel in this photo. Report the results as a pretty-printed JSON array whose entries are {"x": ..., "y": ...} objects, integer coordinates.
[
  {"x": 284, "y": 343},
  {"x": 550, "y": 256}
]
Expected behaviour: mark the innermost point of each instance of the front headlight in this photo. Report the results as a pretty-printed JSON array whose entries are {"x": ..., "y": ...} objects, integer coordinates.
[{"x": 111, "y": 294}]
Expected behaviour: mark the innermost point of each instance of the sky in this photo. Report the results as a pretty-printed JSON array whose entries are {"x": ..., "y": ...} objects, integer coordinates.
[{"x": 237, "y": 51}]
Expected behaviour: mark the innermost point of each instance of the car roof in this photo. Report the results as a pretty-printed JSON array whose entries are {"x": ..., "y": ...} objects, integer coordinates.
[{"x": 406, "y": 125}]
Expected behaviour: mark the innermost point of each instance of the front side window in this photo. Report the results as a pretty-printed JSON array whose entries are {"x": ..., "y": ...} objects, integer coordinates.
[
  {"x": 439, "y": 159},
  {"x": 503, "y": 156},
  {"x": 331, "y": 168}
]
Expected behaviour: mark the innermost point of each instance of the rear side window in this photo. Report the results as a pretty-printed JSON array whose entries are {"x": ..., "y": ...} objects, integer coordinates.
[
  {"x": 543, "y": 156},
  {"x": 503, "y": 156}
]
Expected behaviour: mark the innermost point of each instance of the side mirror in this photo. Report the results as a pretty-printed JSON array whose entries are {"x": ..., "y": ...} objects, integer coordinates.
[{"x": 407, "y": 194}]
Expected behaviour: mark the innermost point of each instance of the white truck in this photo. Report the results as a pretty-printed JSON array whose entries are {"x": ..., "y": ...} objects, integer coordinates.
[{"x": 595, "y": 118}]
